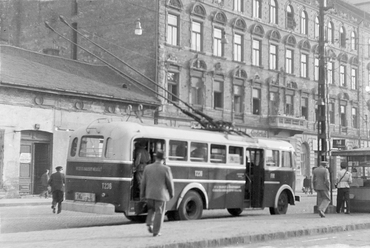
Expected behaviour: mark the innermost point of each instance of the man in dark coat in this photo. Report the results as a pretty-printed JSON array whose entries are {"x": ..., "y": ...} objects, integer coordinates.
[
  {"x": 156, "y": 188},
  {"x": 321, "y": 184},
  {"x": 57, "y": 181}
]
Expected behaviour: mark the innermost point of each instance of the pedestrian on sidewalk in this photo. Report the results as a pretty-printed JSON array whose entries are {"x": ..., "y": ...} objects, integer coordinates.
[
  {"x": 321, "y": 184},
  {"x": 156, "y": 189},
  {"x": 344, "y": 179},
  {"x": 57, "y": 181},
  {"x": 45, "y": 184}
]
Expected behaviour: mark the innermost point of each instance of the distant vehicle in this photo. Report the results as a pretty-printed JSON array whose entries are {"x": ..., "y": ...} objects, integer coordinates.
[
  {"x": 359, "y": 165},
  {"x": 211, "y": 170}
]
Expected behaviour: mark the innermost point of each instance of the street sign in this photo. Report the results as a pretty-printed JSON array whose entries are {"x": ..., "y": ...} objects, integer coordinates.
[{"x": 339, "y": 143}]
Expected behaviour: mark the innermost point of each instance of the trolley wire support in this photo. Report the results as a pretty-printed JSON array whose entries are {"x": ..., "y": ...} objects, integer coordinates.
[{"x": 206, "y": 122}]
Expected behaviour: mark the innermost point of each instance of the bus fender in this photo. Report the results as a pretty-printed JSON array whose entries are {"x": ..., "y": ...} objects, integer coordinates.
[
  {"x": 290, "y": 194},
  {"x": 191, "y": 186}
]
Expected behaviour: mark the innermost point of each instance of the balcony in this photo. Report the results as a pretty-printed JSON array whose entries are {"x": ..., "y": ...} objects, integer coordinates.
[{"x": 281, "y": 124}]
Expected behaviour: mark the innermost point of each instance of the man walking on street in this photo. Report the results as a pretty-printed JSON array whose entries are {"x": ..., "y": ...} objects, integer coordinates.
[
  {"x": 57, "y": 181},
  {"x": 321, "y": 184},
  {"x": 45, "y": 183},
  {"x": 344, "y": 179},
  {"x": 156, "y": 188}
]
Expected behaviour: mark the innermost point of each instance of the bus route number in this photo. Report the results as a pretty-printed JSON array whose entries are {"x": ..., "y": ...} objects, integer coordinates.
[
  {"x": 106, "y": 185},
  {"x": 198, "y": 173}
]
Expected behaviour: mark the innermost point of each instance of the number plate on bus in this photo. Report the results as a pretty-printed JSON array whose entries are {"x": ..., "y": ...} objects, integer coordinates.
[{"x": 86, "y": 197}]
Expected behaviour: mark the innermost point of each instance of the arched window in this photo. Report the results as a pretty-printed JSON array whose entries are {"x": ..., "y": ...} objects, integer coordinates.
[
  {"x": 290, "y": 23},
  {"x": 273, "y": 12},
  {"x": 304, "y": 22},
  {"x": 353, "y": 41},
  {"x": 330, "y": 33},
  {"x": 317, "y": 28},
  {"x": 342, "y": 34}
]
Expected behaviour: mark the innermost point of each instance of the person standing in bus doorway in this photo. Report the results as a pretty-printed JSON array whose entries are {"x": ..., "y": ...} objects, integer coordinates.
[
  {"x": 344, "y": 179},
  {"x": 321, "y": 184},
  {"x": 156, "y": 189},
  {"x": 57, "y": 181},
  {"x": 141, "y": 159},
  {"x": 45, "y": 184}
]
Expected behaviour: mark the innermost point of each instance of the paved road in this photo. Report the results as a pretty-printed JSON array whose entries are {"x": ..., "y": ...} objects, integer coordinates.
[{"x": 38, "y": 218}]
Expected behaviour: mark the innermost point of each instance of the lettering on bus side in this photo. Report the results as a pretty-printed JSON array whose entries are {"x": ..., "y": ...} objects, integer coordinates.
[
  {"x": 198, "y": 173},
  {"x": 83, "y": 168},
  {"x": 227, "y": 188},
  {"x": 106, "y": 185}
]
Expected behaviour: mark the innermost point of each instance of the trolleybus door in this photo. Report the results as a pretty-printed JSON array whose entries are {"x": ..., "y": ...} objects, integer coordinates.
[{"x": 256, "y": 176}]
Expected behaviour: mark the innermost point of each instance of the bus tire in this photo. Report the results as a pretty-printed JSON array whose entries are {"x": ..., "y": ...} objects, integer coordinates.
[
  {"x": 173, "y": 215},
  {"x": 282, "y": 204},
  {"x": 191, "y": 207},
  {"x": 235, "y": 211}
]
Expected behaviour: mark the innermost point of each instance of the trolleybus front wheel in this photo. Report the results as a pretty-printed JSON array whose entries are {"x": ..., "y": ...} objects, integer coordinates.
[
  {"x": 282, "y": 204},
  {"x": 191, "y": 207},
  {"x": 235, "y": 211}
]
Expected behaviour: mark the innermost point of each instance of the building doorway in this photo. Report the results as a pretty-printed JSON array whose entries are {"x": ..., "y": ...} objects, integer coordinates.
[{"x": 35, "y": 158}]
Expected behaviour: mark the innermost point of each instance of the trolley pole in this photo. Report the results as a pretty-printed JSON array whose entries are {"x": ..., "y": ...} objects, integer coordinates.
[{"x": 322, "y": 101}]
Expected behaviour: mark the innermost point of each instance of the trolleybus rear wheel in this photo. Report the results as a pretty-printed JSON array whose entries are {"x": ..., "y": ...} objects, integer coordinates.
[
  {"x": 282, "y": 204},
  {"x": 191, "y": 207},
  {"x": 235, "y": 211}
]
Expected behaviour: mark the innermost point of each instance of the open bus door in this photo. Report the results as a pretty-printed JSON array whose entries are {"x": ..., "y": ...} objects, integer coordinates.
[{"x": 255, "y": 172}]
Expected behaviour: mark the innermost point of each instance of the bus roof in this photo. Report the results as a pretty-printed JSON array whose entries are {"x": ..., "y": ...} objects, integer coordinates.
[{"x": 137, "y": 130}]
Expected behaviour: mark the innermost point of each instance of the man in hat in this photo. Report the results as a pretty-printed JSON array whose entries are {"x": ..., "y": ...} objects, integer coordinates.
[
  {"x": 156, "y": 188},
  {"x": 321, "y": 184},
  {"x": 57, "y": 181}
]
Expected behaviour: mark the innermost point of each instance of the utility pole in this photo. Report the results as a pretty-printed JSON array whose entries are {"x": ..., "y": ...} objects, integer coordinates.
[{"x": 321, "y": 108}]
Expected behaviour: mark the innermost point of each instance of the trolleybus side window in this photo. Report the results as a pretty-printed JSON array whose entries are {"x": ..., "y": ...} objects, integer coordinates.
[
  {"x": 178, "y": 150},
  {"x": 91, "y": 146},
  {"x": 109, "y": 148},
  {"x": 272, "y": 158},
  {"x": 74, "y": 147},
  {"x": 218, "y": 153},
  {"x": 286, "y": 159},
  {"x": 235, "y": 155},
  {"x": 199, "y": 152}
]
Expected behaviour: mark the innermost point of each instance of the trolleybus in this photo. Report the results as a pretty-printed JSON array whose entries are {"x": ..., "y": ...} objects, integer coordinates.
[
  {"x": 233, "y": 172},
  {"x": 359, "y": 165}
]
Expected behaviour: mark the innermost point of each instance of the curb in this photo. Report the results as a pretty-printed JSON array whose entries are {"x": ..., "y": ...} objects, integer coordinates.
[
  {"x": 250, "y": 239},
  {"x": 21, "y": 204}
]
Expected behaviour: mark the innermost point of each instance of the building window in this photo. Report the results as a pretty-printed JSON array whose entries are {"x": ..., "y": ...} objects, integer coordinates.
[
  {"x": 304, "y": 22},
  {"x": 238, "y": 96},
  {"x": 173, "y": 86},
  {"x": 353, "y": 41},
  {"x": 217, "y": 42},
  {"x": 257, "y": 10},
  {"x": 273, "y": 12},
  {"x": 196, "y": 36},
  {"x": 218, "y": 94},
  {"x": 354, "y": 79},
  {"x": 290, "y": 23},
  {"x": 256, "y": 98},
  {"x": 238, "y": 47},
  {"x": 330, "y": 33},
  {"x": 238, "y": 5},
  {"x": 304, "y": 107},
  {"x": 329, "y": 72},
  {"x": 343, "y": 116},
  {"x": 274, "y": 103},
  {"x": 331, "y": 113},
  {"x": 342, "y": 34},
  {"x": 304, "y": 65},
  {"x": 316, "y": 70},
  {"x": 317, "y": 28},
  {"x": 342, "y": 76},
  {"x": 172, "y": 30},
  {"x": 354, "y": 118},
  {"x": 197, "y": 89},
  {"x": 289, "y": 61},
  {"x": 273, "y": 57},
  {"x": 256, "y": 52},
  {"x": 289, "y": 105}
]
